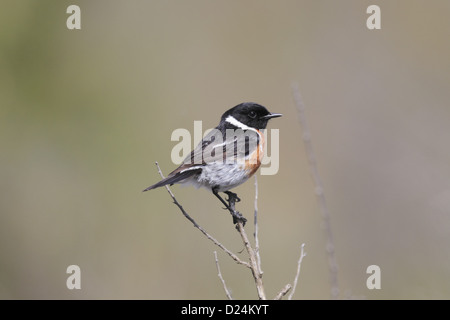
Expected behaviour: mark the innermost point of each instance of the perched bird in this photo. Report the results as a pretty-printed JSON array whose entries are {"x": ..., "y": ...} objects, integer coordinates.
[{"x": 227, "y": 156}]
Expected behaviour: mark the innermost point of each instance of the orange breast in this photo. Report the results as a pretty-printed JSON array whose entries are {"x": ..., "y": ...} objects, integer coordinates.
[{"x": 254, "y": 160}]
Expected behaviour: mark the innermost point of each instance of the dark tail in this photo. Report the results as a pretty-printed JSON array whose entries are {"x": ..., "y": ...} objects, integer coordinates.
[
  {"x": 173, "y": 178},
  {"x": 157, "y": 185}
]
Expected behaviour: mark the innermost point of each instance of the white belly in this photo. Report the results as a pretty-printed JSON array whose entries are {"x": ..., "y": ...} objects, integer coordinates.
[{"x": 216, "y": 174}]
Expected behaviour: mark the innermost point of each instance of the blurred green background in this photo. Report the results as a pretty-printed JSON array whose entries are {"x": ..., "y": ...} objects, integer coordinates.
[{"x": 84, "y": 114}]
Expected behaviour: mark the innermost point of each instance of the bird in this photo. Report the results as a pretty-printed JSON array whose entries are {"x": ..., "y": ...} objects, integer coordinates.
[{"x": 227, "y": 156}]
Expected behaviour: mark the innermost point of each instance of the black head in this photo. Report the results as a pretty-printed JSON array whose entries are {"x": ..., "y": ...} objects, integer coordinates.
[{"x": 247, "y": 114}]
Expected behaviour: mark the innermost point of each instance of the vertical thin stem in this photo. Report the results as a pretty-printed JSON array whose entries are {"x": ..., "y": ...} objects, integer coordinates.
[
  {"x": 255, "y": 234},
  {"x": 332, "y": 263},
  {"x": 219, "y": 274},
  {"x": 253, "y": 262},
  {"x": 257, "y": 275},
  {"x": 299, "y": 265}
]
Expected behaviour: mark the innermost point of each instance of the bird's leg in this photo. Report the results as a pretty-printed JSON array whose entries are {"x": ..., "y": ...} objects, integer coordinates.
[
  {"x": 216, "y": 193},
  {"x": 232, "y": 195},
  {"x": 232, "y": 199}
]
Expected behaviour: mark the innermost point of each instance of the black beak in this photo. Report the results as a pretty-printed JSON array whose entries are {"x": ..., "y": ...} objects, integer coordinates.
[{"x": 272, "y": 115}]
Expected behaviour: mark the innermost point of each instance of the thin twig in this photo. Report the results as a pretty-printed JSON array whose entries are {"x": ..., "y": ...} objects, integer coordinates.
[
  {"x": 299, "y": 265},
  {"x": 332, "y": 263},
  {"x": 253, "y": 261},
  {"x": 219, "y": 274},
  {"x": 217, "y": 243},
  {"x": 255, "y": 234},
  {"x": 257, "y": 276},
  {"x": 253, "y": 265},
  {"x": 283, "y": 292}
]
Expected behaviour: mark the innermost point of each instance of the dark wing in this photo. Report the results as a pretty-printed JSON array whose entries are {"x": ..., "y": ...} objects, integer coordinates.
[
  {"x": 213, "y": 148},
  {"x": 237, "y": 144},
  {"x": 191, "y": 166}
]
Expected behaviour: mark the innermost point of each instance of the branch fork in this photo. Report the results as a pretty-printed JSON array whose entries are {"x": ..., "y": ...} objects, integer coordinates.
[{"x": 254, "y": 263}]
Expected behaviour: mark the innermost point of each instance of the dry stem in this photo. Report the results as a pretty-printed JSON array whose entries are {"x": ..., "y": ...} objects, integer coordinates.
[
  {"x": 255, "y": 234},
  {"x": 299, "y": 265},
  {"x": 332, "y": 263},
  {"x": 219, "y": 274},
  {"x": 254, "y": 258},
  {"x": 217, "y": 243}
]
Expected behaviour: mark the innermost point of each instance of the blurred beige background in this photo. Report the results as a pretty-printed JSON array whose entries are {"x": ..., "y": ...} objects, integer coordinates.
[{"x": 85, "y": 114}]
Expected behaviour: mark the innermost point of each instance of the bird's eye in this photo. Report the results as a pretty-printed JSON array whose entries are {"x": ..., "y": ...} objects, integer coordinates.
[{"x": 252, "y": 114}]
